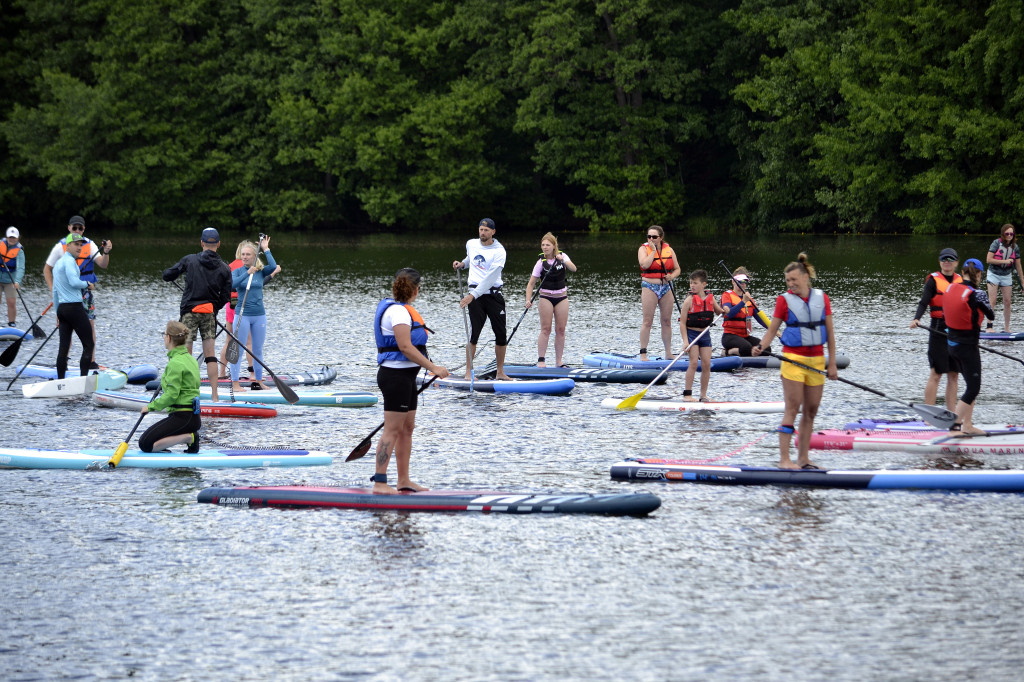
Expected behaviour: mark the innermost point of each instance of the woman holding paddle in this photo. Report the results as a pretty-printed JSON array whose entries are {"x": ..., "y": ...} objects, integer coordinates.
[
  {"x": 807, "y": 313},
  {"x": 740, "y": 311},
  {"x": 1002, "y": 257},
  {"x": 658, "y": 267},
  {"x": 401, "y": 336},
  {"x": 179, "y": 395},
  {"x": 554, "y": 296},
  {"x": 229, "y": 310},
  {"x": 248, "y": 280},
  {"x": 963, "y": 306}
]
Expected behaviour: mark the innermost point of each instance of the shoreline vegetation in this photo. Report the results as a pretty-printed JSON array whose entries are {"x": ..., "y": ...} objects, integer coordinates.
[{"x": 717, "y": 118}]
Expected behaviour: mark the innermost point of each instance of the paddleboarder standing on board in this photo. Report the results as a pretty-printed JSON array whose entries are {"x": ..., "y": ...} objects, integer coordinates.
[
  {"x": 658, "y": 267},
  {"x": 179, "y": 395},
  {"x": 67, "y": 300},
  {"x": 550, "y": 272},
  {"x": 13, "y": 256},
  {"x": 485, "y": 259},
  {"x": 807, "y": 313},
  {"x": 207, "y": 290},
  {"x": 964, "y": 305},
  {"x": 939, "y": 360},
  {"x": 401, "y": 336}
]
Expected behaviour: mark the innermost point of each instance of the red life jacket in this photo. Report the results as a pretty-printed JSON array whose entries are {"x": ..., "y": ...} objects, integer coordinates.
[
  {"x": 941, "y": 284},
  {"x": 957, "y": 310},
  {"x": 740, "y": 325},
  {"x": 663, "y": 263},
  {"x": 702, "y": 311}
]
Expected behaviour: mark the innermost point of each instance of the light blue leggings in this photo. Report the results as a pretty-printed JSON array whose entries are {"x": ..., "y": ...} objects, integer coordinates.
[{"x": 257, "y": 326}]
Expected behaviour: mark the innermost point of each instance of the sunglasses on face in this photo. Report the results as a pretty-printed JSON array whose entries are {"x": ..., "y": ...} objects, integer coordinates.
[
  {"x": 654, "y": 236},
  {"x": 78, "y": 228},
  {"x": 1007, "y": 234},
  {"x": 947, "y": 259}
]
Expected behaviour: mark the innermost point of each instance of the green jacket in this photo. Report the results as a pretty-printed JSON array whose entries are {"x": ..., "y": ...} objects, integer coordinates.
[{"x": 179, "y": 383}]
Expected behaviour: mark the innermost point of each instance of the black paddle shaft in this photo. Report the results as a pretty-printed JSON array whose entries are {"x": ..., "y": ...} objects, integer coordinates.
[
  {"x": 990, "y": 350},
  {"x": 31, "y": 358}
]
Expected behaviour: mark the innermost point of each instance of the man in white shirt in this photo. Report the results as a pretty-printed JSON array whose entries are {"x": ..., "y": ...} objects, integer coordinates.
[{"x": 485, "y": 259}]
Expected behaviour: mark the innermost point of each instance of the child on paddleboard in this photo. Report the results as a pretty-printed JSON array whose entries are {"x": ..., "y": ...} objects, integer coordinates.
[{"x": 697, "y": 314}]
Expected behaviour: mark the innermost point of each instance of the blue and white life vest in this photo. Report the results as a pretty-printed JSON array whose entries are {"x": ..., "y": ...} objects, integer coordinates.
[
  {"x": 387, "y": 346},
  {"x": 805, "y": 321}
]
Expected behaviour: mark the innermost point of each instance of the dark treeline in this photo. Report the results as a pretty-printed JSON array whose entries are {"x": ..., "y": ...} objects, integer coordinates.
[{"x": 603, "y": 115}]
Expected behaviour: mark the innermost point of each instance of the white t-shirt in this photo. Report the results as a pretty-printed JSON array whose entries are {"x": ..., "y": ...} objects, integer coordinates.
[
  {"x": 395, "y": 314},
  {"x": 485, "y": 264}
]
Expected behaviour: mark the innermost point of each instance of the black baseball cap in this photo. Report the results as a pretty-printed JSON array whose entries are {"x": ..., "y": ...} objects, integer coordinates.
[{"x": 948, "y": 254}]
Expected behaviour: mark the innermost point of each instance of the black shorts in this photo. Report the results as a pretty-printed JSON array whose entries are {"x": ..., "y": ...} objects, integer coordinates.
[
  {"x": 939, "y": 358},
  {"x": 398, "y": 386},
  {"x": 488, "y": 307}
]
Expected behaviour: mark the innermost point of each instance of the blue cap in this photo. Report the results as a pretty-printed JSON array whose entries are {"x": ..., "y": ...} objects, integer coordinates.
[
  {"x": 487, "y": 222},
  {"x": 975, "y": 262},
  {"x": 211, "y": 236}
]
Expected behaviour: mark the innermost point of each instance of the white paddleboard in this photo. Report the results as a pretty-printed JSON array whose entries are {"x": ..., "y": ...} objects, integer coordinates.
[
  {"x": 104, "y": 380},
  {"x": 677, "y": 405}
]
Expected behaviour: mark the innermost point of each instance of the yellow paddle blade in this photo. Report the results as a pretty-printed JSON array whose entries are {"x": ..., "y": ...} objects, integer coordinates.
[
  {"x": 630, "y": 402},
  {"x": 118, "y": 454}
]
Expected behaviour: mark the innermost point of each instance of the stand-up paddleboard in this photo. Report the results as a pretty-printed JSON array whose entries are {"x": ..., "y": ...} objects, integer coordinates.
[
  {"x": 207, "y": 408},
  {"x": 616, "y": 504},
  {"x": 621, "y": 361},
  {"x": 272, "y": 397},
  {"x": 26, "y": 458},
  {"x": 13, "y": 334},
  {"x": 594, "y": 374},
  {"x": 916, "y": 425},
  {"x": 324, "y": 375},
  {"x": 137, "y": 374},
  {"x": 105, "y": 379},
  {"x": 1002, "y": 336},
  {"x": 772, "y": 362},
  {"x": 540, "y": 386},
  {"x": 1006, "y": 480},
  {"x": 925, "y": 442},
  {"x": 679, "y": 405}
]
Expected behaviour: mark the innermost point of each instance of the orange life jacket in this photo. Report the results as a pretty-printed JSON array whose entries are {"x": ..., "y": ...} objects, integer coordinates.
[
  {"x": 84, "y": 260},
  {"x": 739, "y": 325},
  {"x": 9, "y": 254},
  {"x": 662, "y": 264},
  {"x": 941, "y": 285}
]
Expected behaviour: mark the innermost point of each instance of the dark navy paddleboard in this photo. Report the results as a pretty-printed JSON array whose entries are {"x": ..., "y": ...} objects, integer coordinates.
[
  {"x": 621, "y": 361},
  {"x": 607, "y": 375},
  {"x": 616, "y": 504}
]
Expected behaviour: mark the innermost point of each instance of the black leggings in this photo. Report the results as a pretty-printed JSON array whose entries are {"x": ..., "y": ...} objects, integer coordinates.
[
  {"x": 73, "y": 318},
  {"x": 741, "y": 343},
  {"x": 176, "y": 424},
  {"x": 968, "y": 357}
]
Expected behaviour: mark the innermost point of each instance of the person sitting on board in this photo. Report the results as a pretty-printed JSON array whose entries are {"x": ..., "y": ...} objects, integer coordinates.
[
  {"x": 485, "y": 260},
  {"x": 964, "y": 304},
  {"x": 252, "y": 318},
  {"x": 939, "y": 361},
  {"x": 12, "y": 258},
  {"x": 207, "y": 290},
  {"x": 740, "y": 310},
  {"x": 1002, "y": 257},
  {"x": 179, "y": 395},
  {"x": 658, "y": 267},
  {"x": 697, "y": 314},
  {"x": 554, "y": 296},
  {"x": 67, "y": 301},
  {"x": 401, "y": 336},
  {"x": 91, "y": 255},
  {"x": 807, "y": 313},
  {"x": 229, "y": 311}
]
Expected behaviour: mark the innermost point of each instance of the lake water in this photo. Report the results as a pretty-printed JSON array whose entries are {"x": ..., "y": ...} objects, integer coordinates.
[{"x": 110, "y": 575}]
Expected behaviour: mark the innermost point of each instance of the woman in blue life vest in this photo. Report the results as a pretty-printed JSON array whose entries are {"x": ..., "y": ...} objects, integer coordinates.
[
  {"x": 658, "y": 267},
  {"x": 401, "y": 337},
  {"x": 550, "y": 271},
  {"x": 964, "y": 305},
  {"x": 807, "y": 313},
  {"x": 698, "y": 312}
]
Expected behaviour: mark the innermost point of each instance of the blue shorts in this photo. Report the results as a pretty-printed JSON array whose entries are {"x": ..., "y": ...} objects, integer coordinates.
[
  {"x": 659, "y": 289},
  {"x": 702, "y": 342},
  {"x": 999, "y": 280}
]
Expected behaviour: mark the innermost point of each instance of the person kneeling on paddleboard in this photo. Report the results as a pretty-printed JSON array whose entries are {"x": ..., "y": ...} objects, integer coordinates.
[
  {"x": 401, "y": 336},
  {"x": 179, "y": 395}
]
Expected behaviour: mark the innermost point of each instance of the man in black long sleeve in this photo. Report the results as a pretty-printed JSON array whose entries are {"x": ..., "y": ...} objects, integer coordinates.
[
  {"x": 939, "y": 360},
  {"x": 207, "y": 290}
]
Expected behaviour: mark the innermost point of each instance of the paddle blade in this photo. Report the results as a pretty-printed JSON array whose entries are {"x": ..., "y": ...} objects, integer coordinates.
[
  {"x": 285, "y": 390},
  {"x": 232, "y": 354},
  {"x": 7, "y": 357},
  {"x": 938, "y": 417},
  {"x": 360, "y": 450},
  {"x": 37, "y": 331},
  {"x": 631, "y": 402},
  {"x": 118, "y": 454}
]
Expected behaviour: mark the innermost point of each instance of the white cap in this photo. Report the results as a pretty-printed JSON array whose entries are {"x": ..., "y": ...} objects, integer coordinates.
[{"x": 13, "y": 232}]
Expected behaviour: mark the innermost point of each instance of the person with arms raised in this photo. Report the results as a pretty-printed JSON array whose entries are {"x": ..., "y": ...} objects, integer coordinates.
[
  {"x": 248, "y": 280},
  {"x": 207, "y": 290},
  {"x": 807, "y": 313},
  {"x": 658, "y": 267},
  {"x": 939, "y": 360},
  {"x": 485, "y": 260}
]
